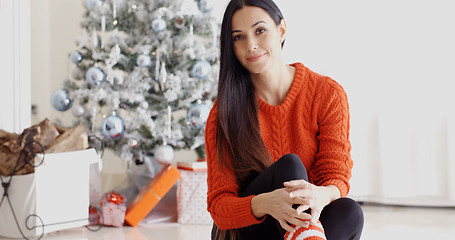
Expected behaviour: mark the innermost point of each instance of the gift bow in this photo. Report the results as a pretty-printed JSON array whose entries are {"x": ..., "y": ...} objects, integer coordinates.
[{"x": 115, "y": 197}]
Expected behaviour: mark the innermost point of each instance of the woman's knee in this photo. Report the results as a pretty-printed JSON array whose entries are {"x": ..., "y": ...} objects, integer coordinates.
[
  {"x": 348, "y": 212},
  {"x": 290, "y": 166},
  {"x": 290, "y": 161}
]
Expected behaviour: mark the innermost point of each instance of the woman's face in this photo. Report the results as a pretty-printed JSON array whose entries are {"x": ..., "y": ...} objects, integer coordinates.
[{"x": 256, "y": 39}]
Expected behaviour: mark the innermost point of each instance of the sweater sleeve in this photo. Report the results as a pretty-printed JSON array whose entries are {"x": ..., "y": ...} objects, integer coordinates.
[
  {"x": 333, "y": 162},
  {"x": 227, "y": 209}
]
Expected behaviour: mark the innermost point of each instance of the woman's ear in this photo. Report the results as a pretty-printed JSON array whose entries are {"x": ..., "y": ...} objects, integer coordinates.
[{"x": 282, "y": 30}]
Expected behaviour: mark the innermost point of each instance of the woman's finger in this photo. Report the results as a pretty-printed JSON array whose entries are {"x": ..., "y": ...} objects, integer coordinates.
[
  {"x": 297, "y": 222},
  {"x": 315, "y": 213},
  {"x": 294, "y": 183},
  {"x": 300, "y": 201},
  {"x": 286, "y": 226},
  {"x": 300, "y": 209},
  {"x": 305, "y": 193}
]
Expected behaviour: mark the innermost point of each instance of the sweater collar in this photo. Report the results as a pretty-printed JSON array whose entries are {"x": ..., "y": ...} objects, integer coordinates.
[{"x": 296, "y": 87}]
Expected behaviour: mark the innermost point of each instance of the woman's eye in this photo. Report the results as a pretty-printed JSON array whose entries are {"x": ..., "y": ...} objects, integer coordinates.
[
  {"x": 260, "y": 30},
  {"x": 238, "y": 37}
]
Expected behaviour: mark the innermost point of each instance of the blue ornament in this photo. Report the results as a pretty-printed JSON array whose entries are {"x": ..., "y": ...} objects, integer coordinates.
[
  {"x": 158, "y": 24},
  {"x": 144, "y": 61},
  {"x": 201, "y": 69},
  {"x": 60, "y": 100},
  {"x": 205, "y": 5},
  {"x": 91, "y": 4},
  {"x": 113, "y": 127},
  {"x": 197, "y": 115},
  {"x": 76, "y": 57},
  {"x": 95, "y": 76}
]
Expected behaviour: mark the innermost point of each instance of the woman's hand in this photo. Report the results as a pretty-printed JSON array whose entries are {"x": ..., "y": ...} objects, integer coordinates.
[
  {"x": 314, "y": 197},
  {"x": 278, "y": 204}
]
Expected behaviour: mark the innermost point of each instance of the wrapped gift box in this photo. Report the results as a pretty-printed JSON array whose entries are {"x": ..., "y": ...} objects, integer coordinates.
[
  {"x": 199, "y": 166},
  {"x": 151, "y": 194},
  {"x": 113, "y": 207},
  {"x": 53, "y": 198},
  {"x": 192, "y": 197}
]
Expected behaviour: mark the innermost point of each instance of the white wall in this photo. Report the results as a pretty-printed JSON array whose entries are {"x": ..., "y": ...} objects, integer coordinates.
[
  {"x": 54, "y": 28},
  {"x": 395, "y": 59}
]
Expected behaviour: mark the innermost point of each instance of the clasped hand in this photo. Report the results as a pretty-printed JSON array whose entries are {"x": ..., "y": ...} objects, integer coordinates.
[{"x": 303, "y": 193}]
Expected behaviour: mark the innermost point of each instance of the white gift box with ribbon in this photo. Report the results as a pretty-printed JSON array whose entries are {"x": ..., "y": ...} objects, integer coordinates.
[
  {"x": 53, "y": 198},
  {"x": 192, "y": 198}
]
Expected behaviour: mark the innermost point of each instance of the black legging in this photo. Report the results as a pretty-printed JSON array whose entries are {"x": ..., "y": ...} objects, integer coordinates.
[{"x": 342, "y": 219}]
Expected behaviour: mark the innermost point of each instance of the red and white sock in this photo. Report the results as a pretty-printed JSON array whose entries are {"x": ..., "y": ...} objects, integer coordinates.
[{"x": 312, "y": 232}]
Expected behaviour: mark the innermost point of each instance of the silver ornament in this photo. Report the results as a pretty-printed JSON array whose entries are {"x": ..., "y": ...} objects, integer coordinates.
[
  {"x": 201, "y": 69},
  {"x": 76, "y": 57},
  {"x": 144, "y": 61},
  {"x": 205, "y": 5},
  {"x": 197, "y": 115},
  {"x": 95, "y": 76},
  {"x": 158, "y": 24},
  {"x": 60, "y": 100},
  {"x": 113, "y": 127}
]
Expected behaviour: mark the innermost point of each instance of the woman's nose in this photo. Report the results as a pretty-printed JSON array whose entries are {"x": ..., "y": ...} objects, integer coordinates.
[{"x": 252, "y": 46}]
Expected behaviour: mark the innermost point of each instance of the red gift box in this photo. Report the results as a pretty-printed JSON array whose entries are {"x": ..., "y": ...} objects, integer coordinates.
[{"x": 113, "y": 207}]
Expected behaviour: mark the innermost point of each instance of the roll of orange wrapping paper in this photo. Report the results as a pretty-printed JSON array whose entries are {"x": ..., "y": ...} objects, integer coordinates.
[{"x": 151, "y": 194}]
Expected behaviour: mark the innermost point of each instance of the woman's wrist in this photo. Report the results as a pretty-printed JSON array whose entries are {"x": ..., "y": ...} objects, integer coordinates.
[
  {"x": 333, "y": 193},
  {"x": 257, "y": 206}
]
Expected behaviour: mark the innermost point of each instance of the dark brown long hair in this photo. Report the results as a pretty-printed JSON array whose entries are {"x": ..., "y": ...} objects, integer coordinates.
[{"x": 238, "y": 133}]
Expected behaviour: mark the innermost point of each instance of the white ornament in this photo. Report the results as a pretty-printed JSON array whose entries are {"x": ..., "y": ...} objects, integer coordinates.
[
  {"x": 158, "y": 25},
  {"x": 144, "y": 105},
  {"x": 144, "y": 61},
  {"x": 164, "y": 154},
  {"x": 163, "y": 75},
  {"x": 132, "y": 143},
  {"x": 78, "y": 110},
  {"x": 206, "y": 5}
]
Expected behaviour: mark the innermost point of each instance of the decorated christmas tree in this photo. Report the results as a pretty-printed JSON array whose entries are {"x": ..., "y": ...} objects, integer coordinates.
[{"x": 143, "y": 75}]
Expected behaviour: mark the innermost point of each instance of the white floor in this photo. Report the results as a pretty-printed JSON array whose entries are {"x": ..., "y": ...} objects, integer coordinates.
[{"x": 381, "y": 222}]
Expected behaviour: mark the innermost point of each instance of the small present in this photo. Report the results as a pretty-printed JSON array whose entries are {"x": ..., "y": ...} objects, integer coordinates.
[
  {"x": 151, "y": 194},
  {"x": 192, "y": 198},
  {"x": 113, "y": 207},
  {"x": 199, "y": 166}
]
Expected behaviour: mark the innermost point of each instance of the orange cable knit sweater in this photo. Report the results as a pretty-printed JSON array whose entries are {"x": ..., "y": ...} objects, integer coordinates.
[{"x": 312, "y": 122}]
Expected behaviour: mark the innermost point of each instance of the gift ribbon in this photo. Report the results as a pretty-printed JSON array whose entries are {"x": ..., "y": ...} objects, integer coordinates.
[{"x": 156, "y": 195}]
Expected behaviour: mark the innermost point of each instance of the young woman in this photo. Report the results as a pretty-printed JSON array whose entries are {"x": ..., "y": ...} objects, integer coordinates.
[{"x": 277, "y": 138}]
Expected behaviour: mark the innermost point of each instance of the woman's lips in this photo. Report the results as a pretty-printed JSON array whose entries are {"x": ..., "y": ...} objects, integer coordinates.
[{"x": 255, "y": 57}]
